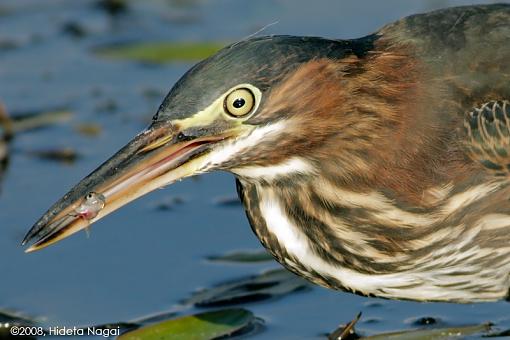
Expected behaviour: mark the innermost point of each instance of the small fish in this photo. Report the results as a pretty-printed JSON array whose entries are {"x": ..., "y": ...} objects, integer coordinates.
[{"x": 91, "y": 206}]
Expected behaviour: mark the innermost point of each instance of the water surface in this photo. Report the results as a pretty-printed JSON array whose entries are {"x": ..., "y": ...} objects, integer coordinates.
[{"x": 141, "y": 260}]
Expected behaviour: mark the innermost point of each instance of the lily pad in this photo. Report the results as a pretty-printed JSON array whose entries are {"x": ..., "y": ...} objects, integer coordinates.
[
  {"x": 203, "y": 326},
  {"x": 243, "y": 257},
  {"x": 433, "y": 334},
  {"x": 160, "y": 52},
  {"x": 268, "y": 285},
  {"x": 129, "y": 326}
]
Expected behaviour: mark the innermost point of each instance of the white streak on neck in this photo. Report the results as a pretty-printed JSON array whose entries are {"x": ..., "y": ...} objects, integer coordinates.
[
  {"x": 240, "y": 144},
  {"x": 294, "y": 165},
  {"x": 465, "y": 198},
  {"x": 296, "y": 244}
]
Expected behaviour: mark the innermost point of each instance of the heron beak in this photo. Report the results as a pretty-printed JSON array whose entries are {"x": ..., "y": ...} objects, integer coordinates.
[{"x": 153, "y": 159}]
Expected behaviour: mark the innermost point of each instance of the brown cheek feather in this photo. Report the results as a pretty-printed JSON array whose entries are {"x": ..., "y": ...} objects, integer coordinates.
[{"x": 367, "y": 123}]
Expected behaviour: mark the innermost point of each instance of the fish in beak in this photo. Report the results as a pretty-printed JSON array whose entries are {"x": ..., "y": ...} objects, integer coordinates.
[{"x": 153, "y": 159}]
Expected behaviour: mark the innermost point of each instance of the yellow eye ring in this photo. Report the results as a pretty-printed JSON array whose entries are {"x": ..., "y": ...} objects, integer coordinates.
[{"x": 239, "y": 102}]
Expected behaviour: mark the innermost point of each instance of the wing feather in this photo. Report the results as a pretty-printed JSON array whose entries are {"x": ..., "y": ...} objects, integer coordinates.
[{"x": 488, "y": 135}]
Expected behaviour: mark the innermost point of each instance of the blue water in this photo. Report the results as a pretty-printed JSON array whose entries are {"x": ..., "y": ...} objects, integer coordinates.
[{"x": 139, "y": 260}]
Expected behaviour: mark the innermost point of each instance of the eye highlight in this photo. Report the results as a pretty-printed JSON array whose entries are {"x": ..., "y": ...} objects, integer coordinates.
[{"x": 239, "y": 102}]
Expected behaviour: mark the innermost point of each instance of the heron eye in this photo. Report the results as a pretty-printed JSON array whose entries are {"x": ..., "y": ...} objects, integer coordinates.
[{"x": 239, "y": 102}]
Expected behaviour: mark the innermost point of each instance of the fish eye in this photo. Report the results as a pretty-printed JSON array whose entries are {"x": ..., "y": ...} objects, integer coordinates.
[
  {"x": 90, "y": 196},
  {"x": 239, "y": 102}
]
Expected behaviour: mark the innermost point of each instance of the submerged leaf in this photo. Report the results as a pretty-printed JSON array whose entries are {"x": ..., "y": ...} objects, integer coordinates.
[
  {"x": 34, "y": 120},
  {"x": 243, "y": 257},
  {"x": 5, "y": 124},
  {"x": 168, "y": 203},
  {"x": 270, "y": 284},
  {"x": 5, "y": 136},
  {"x": 160, "y": 52},
  {"x": 228, "y": 201},
  {"x": 88, "y": 129},
  {"x": 4, "y": 11},
  {"x": 425, "y": 321},
  {"x": 113, "y": 7},
  {"x": 74, "y": 29},
  {"x": 498, "y": 334},
  {"x": 66, "y": 155},
  {"x": 432, "y": 334},
  {"x": 203, "y": 326}
]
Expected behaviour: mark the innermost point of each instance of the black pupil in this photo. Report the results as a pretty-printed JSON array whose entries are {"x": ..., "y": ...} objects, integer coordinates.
[{"x": 238, "y": 103}]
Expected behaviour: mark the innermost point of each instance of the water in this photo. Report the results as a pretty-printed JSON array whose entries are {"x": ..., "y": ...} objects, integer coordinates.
[{"x": 140, "y": 260}]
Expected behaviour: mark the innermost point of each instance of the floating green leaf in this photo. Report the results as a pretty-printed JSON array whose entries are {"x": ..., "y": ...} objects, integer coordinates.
[
  {"x": 160, "y": 52},
  {"x": 243, "y": 257},
  {"x": 203, "y": 326},
  {"x": 129, "y": 326},
  {"x": 270, "y": 284},
  {"x": 433, "y": 333}
]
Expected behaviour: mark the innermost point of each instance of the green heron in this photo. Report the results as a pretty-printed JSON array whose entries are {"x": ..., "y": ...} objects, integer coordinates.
[{"x": 377, "y": 165}]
